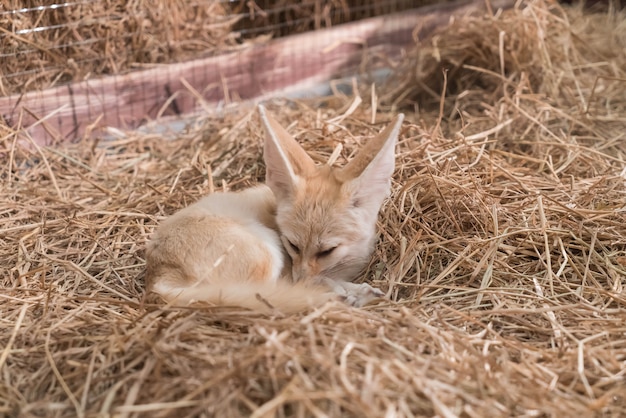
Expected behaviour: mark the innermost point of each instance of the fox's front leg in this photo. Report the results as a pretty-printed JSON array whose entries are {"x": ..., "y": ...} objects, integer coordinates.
[{"x": 354, "y": 294}]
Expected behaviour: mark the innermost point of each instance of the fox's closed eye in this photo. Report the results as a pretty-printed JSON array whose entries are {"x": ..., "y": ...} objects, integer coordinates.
[
  {"x": 292, "y": 246},
  {"x": 326, "y": 252}
]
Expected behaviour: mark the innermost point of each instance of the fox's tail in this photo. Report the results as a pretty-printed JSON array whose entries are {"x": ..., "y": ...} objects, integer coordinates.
[{"x": 262, "y": 297}]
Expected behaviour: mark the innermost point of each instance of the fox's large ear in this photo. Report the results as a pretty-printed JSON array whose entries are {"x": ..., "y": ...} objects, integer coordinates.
[
  {"x": 286, "y": 163},
  {"x": 369, "y": 173}
]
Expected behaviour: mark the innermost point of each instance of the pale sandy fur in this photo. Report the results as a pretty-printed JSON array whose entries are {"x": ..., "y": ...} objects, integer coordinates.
[
  {"x": 223, "y": 250},
  {"x": 294, "y": 243},
  {"x": 224, "y": 237}
]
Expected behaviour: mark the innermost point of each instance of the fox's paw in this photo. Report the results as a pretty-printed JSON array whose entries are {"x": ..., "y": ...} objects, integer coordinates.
[{"x": 359, "y": 295}]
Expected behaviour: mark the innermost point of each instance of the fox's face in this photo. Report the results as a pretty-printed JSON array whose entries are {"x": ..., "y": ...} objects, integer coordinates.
[
  {"x": 327, "y": 216},
  {"x": 324, "y": 230}
]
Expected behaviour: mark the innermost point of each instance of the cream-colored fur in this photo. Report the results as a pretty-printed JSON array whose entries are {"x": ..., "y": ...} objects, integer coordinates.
[{"x": 231, "y": 248}]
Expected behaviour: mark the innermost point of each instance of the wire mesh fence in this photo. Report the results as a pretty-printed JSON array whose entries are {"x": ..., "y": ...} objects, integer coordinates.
[
  {"x": 67, "y": 68},
  {"x": 45, "y": 44}
]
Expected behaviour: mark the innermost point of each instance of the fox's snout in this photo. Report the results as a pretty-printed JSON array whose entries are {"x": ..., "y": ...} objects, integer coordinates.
[{"x": 302, "y": 271}]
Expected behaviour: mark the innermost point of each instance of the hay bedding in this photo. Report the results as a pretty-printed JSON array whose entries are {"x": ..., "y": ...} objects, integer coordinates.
[
  {"x": 503, "y": 248},
  {"x": 49, "y": 43}
]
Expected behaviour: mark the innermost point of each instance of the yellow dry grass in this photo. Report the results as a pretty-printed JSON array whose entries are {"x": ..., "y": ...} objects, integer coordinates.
[
  {"x": 503, "y": 249},
  {"x": 44, "y": 44}
]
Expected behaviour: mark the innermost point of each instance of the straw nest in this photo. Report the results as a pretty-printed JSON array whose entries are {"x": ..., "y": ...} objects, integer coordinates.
[{"x": 503, "y": 249}]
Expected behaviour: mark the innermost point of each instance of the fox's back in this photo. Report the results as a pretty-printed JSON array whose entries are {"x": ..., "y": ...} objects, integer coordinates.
[{"x": 224, "y": 237}]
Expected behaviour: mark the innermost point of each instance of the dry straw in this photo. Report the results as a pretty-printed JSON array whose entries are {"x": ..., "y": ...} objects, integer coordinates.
[
  {"x": 44, "y": 43},
  {"x": 503, "y": 249},
  {"x": 49, "y": 43},
  {"x": 283, "y": 17}
]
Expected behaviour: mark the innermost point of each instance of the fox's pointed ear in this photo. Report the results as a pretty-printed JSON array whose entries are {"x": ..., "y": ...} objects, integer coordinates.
[
  {"x": 286, "y": 163},
  {"x": 369, "y": 173}
]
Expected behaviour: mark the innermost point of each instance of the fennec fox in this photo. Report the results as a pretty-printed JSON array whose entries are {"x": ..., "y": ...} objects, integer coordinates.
[{"x": 229, "y": 248}]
